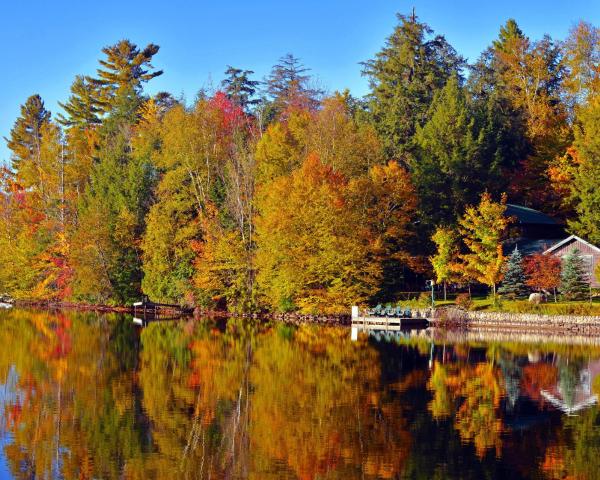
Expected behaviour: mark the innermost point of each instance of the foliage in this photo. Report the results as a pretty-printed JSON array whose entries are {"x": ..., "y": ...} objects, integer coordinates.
[
  {"x": 450, "y": 157},
  {"x": 542, "y": 271},
  {"x": 284, "y": 198},
  {"x": 483, "y": 228},
  {"x": 586, "y": 178},
  {"x": 464, "y": 300},
  {"x": 308, "y": 253},
  {"x": 447, "y": 254}
]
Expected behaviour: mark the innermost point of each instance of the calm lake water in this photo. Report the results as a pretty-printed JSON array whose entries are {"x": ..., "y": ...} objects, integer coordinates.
[{"x": 87, "y": 396}]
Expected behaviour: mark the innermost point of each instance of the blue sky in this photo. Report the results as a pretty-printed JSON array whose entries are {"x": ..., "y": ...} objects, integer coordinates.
[{"x": 44, "y": 44}]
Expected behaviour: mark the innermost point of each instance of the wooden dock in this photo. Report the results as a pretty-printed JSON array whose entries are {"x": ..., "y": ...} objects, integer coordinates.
[
  {"x": 387, "y": 323},
  {"x": 155, "y": 311}
]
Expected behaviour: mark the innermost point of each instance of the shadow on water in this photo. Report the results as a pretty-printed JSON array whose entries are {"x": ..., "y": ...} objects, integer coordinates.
[{"x": 97, "y": 396}]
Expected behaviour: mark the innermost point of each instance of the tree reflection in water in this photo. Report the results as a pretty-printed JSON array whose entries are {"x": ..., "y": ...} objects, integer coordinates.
[{"x": 89, "y": 396}]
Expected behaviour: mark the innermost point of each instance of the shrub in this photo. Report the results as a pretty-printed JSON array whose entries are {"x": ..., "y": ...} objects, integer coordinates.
[
  {"x": 424, "y": 299},
  {"x": 464, "y": 300}
]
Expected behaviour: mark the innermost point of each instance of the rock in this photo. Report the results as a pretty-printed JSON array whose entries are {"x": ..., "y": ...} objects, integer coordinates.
[{"x": 536, "y": 298}]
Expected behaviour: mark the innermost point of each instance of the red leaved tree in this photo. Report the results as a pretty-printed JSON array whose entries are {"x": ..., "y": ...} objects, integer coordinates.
[{"x": 543, "y": 272}]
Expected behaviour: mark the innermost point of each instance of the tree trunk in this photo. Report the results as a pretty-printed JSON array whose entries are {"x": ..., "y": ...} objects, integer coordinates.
[{"x": 445, "y": 292}]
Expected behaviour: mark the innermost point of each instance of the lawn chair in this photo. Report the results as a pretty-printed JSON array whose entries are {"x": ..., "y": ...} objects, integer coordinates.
[
  {"x": 399, "y": 311},
  {"x": 407, "y": 312},
  {"x": 375, "y": 311}
]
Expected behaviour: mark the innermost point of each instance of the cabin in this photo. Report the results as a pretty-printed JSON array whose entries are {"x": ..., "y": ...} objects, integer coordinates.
[
  {"x": 589, "y": 252},
  {"x": 531, "y": 231}
]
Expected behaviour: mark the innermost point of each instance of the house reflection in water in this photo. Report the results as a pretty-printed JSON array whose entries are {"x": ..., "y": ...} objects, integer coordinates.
[{"x": 573, "y": 390}]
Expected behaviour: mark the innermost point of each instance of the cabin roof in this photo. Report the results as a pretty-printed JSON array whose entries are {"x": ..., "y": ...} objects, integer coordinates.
[
  {"x": 525, "y": 215},
  {"x": 570, "y": 239}
]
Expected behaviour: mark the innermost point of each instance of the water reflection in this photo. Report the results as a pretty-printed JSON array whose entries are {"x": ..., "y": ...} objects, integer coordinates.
[{"x": 86, "y": 396}]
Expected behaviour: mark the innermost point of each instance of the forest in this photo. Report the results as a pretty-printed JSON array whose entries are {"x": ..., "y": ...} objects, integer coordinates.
[{"x": 274, "y": 195}]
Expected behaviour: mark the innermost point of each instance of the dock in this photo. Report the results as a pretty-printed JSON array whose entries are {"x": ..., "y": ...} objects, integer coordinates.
[
  {"x": 148, "y": 310},
  {"x": 363, "y": 321}
]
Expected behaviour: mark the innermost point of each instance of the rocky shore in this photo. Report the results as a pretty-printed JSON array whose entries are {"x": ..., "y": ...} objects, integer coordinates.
[{"x": 473, "y": 320}]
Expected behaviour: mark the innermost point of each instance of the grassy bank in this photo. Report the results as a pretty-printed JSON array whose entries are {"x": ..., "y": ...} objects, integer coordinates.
[{"x": 562, "y": 307}]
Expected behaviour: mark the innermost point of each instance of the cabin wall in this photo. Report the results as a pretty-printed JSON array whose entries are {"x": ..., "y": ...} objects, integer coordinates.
[{"x": 587, "y": 252}]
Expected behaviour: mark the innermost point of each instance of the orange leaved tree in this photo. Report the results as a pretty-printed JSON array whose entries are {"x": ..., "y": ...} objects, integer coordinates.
[{"x": 543, "y": 272}]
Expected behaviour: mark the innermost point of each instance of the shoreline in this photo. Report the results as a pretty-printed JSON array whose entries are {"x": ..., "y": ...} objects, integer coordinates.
[{"x": 451, "y": 319}]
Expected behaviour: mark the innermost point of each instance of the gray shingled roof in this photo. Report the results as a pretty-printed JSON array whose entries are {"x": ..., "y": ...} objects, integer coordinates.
[{"x": 530, "y": 216}]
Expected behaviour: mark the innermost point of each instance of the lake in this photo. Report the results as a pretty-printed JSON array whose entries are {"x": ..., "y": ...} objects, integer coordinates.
[{"x": 87, "y": 396}]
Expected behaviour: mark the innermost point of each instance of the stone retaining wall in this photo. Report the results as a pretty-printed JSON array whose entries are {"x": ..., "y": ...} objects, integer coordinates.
[{"x": 504, "y": 320}]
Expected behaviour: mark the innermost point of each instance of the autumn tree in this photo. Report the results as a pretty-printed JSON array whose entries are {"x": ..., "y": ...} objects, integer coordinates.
[
  {"x": 542, "y": 272},
  {"x": 386, "y": 201},
  {"x": 482, "y": 229},
  {"x": 585, "y": 191},
  {"x": 581, "y": 57},
  {"x": 446, "y": 256},
  {"x": 309, "y": 255}
]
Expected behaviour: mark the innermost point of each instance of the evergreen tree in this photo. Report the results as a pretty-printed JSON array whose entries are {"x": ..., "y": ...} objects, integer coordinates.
[
  {"x": 239, "y": 88},
  {"x": 124, "y": 70},
  {"x": 509, "y": 32},
  {"x": 26, "y": 135},
  {"x": 574, "y": 279},
  {"x": 447, "y": 160},
  {"x": 513, "y": 284},
  {"x": 521, "y": 82},
  {"x": 403, "y": 78},
  {"x": 288, "y": 85},
  {"x": 121, "y": 182},
  {"x": 84, "y": 107}
]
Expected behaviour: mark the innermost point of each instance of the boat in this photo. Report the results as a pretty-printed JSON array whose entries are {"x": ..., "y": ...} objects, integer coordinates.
[{"x": 5, "y": 305}]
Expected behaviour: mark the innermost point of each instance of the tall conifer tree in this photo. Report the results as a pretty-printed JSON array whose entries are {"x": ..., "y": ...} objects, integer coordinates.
[{"x": 403, "y": 77}]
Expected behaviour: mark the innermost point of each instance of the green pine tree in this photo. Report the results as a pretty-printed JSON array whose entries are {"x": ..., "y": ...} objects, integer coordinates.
[
  {"x": 239, "y": 88},
  {"x": 513, "y": 284},
  {"x": 124, "y": 71},
  {"x": 574, "y": 279},
  {"x": 403, "y": 78},
  {"x": 26, "y": 135},
  {"x": 447, "y": 161},
  {"x": 84, "y": 107}
]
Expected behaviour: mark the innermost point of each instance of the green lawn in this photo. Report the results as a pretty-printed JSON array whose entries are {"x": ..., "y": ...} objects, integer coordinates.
[{"x": 479, "y": 303}]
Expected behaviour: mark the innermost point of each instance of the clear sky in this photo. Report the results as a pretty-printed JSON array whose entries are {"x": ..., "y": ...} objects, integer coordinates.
[{"x": 44, "y": 44}]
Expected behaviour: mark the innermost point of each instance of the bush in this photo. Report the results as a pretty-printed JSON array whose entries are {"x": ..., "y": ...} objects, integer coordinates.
[
  {"x": 464, "y": 300},
  {"x": 424, "y": 300}
]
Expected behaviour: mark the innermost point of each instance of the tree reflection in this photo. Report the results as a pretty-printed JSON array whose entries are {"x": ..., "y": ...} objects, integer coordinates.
[{"x": 91, "y": 396}]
